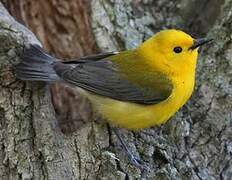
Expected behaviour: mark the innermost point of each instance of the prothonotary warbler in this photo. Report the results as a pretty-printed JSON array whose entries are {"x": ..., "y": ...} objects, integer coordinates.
[{"x": 133, "y": 89}]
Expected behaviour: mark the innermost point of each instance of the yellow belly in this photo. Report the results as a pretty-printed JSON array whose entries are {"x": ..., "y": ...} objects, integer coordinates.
[{"x": 136, "y": 116}]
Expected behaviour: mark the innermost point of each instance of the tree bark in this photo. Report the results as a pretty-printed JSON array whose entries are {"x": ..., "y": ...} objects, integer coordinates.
[{"x": 195, "y": 144}]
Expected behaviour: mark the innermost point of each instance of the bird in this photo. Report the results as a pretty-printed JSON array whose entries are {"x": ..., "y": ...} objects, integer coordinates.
[{"x": 133, "y": 89}]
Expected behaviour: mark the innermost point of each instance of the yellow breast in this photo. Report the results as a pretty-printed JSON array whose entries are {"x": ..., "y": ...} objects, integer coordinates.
[{"x": 135, "y": 116}]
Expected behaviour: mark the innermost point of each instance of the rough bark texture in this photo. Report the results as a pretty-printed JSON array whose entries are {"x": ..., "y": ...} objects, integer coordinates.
[
  {"x": 32, "y": 146},
  {"x": 67, "y": 22},
  {"x": 195, "y": 144}
]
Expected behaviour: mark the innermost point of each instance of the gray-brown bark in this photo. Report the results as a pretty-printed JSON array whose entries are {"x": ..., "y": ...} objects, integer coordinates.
[
  {"x": 195, "y": 144},
  {"x": 32, "y": 146},
  {"x": 69, "y": 23}
]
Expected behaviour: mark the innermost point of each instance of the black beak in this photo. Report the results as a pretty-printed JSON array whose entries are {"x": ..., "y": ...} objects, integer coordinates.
[{"x": 199, "y": 42}]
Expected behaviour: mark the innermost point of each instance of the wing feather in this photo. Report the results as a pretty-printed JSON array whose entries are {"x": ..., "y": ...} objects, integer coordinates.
[{"x": 104, "y": 78}]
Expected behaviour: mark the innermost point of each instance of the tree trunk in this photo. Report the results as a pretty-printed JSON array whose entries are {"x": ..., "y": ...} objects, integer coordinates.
[{"x": 195, "y": 144}]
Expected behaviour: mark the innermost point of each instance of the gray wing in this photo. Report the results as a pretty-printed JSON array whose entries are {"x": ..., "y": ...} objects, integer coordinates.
[{"x": 103, "y": 78}]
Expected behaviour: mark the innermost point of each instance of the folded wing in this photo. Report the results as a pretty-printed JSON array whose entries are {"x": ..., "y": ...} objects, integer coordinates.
[{"x": 104, "y": 78}]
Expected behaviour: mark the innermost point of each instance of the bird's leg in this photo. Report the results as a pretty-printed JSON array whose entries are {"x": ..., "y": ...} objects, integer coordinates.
[{"x": 134, "y": 160}]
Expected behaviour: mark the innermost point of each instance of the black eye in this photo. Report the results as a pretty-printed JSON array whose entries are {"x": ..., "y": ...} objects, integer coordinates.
[{"x": 177, "y": 49}]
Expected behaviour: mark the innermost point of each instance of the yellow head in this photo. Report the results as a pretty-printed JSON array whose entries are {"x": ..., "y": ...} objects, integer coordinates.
[{"x": 171, "y": 51}]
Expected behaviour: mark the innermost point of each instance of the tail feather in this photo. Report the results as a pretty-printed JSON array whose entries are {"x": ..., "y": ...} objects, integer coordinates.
[{"x": 36, "y": 65}]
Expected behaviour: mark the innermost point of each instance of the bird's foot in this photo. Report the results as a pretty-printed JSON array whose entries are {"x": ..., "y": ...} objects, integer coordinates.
[{"x": 133, "y": 159}]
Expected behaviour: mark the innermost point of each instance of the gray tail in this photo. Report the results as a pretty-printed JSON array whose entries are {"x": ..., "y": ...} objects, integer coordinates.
[{"x": 36, "y": 65}]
